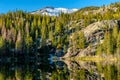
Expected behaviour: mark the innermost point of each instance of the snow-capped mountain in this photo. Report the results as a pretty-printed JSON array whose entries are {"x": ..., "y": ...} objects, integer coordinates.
[{"x": 53, "y": 11}]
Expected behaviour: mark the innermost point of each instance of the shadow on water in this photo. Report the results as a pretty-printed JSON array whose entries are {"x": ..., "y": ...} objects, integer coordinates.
[
  {"x": 32, "y": 66},
  {"x": 30, "y": 71}
]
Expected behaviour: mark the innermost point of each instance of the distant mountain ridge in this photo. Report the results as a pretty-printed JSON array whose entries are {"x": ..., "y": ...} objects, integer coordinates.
[{"x": 51, "y": 11}]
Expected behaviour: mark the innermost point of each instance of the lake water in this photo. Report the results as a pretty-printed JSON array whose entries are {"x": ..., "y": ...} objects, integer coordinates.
[{"x": 60, "y": 70}]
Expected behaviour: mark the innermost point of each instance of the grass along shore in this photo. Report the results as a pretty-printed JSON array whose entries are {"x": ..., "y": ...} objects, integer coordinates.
[{"x": 96, "y": 58}]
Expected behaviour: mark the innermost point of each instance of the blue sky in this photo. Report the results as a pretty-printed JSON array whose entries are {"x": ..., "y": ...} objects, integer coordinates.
[{"x": 31, "y": 5}]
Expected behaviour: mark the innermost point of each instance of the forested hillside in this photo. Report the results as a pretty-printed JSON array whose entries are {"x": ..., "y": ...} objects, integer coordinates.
[{"x": 22, "y": 32}]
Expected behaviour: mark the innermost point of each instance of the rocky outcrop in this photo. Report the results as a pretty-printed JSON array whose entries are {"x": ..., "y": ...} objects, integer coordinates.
[
  {"x": 71, "y": 52},
  {"x": 94, "y": 34},
  {"x": 99, "y": 26}
]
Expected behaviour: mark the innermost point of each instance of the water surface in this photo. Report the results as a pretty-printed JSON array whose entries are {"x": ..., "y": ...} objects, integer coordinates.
[{"x": 60, "y": 70}]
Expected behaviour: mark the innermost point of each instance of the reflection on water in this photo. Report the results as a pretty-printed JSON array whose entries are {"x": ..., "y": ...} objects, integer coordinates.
[
  {"x": 81, "y": 70},
  {"x": 59, "y": 70}
]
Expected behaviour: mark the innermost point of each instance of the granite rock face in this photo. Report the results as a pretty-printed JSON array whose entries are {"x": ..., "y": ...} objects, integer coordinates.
[{"x": 94, "y": 34}]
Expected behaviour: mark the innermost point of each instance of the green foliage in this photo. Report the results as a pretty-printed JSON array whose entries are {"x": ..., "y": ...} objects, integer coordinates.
[
  {"x": 65, "y": 49},
  {"x": 58, "y": 28},
  {"x": 79, "y": 40},
  {"x": 51, "y": 35},
  {"x": 82, "y": 40},
  {"x": 99, "y": 50},
  {"x": 1, "y": 43},
  {"x": 28, "y": 76},
  {"x": 118, "y": 44},
  {"x": 89, "y": 8},
  {"x": 18, "y": 44},
  {"x": 110, "y": 45},
  {"x": 44, "y": 32},
  {"x": 28, "y": 42}
]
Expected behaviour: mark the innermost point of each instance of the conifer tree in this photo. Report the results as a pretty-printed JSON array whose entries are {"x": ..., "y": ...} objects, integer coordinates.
[
  {"x": 114, "y": 35},
  {"x": 2, "y": 44},
  {"x": 18, "y": 44},
  {"x": 44, "y": 31},
  {"x": 118, "y": 44}
]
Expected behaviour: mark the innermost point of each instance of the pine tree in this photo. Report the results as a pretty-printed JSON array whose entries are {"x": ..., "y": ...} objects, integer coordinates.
[
  {"x": 44, "y": 32},
  {"x": 2, "y": 44},
  {"x": 51, "y": 35},
  {"x": 57, "y": 27},
  {"x": 82, "y": 40},
  {"x": 36, "y": 34},
  {"x": 27, "y": 27},
  {"x": 18, "y": 44},
  {"x": 28, "y": 42},
  {"x": 39, "y": 21},
  {"x": 114, "y": 35},
  {"x": 118, "y": 44},
  {"x": 108, "y": 44}
]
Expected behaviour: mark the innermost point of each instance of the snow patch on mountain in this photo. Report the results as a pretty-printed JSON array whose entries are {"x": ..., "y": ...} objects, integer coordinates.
[{"x": 53, "y": 11}]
